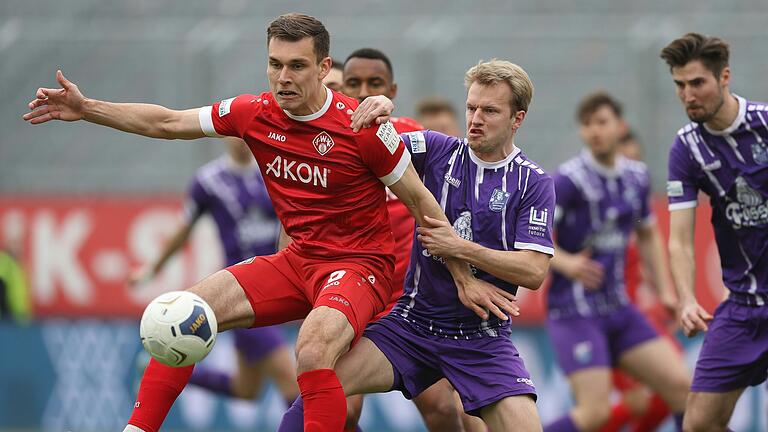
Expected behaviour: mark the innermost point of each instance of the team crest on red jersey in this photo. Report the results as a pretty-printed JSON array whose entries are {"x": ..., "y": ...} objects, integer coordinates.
[{"x": 323, "y": 143}]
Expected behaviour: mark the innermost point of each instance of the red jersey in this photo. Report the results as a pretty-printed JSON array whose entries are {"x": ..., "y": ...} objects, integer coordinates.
[{"x": 325, "y": 181}]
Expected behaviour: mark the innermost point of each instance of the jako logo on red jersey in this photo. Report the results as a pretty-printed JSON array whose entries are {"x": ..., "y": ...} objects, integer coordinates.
[
  {"x": 323, "y": 143},
  {"x": 302, "y": 172}
]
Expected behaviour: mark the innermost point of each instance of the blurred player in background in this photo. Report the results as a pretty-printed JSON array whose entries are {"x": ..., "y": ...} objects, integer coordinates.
[
  {"x": 499, "y": 202},
  {"x": 639, "y": 407},
  {"x": 722, "y": 153},
  {"x": 602, "y": 198},
  {"x": 231, "y": 190},
  {"x": 331, "y": 203},
  {"x": 369, "y": 72},
  {"x": 334, "y": 80},
  {"x": 436, "y": 113}
]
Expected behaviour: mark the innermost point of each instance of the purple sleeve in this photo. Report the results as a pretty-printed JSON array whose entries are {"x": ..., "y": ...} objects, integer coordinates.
[
  {"x": 681, "y": 183},
  {"x": 425, "y": 146},
  {"x": 534, "y": 217},
  {"x": 196, "y": 202}
]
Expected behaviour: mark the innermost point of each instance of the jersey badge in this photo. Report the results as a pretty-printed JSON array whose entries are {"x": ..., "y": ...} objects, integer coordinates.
[
  {"x": 225, "y": 106},
  {"x": 418, "y": 143},
  {"x": 498, "y": 200},
  {"x": 760, "y": 153},
  {"x": 388, "y": 135},
  {"x": 323, "y": 143}
]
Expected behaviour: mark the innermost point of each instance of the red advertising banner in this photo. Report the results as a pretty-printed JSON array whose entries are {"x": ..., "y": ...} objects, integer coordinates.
[{"x": 78, "y": 253}]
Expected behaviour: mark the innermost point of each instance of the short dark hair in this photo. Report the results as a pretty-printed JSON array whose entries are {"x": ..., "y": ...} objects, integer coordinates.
[
  {"x": 434, "y": 105},
  {"x": 593, "y": 102},
  {"x": 372, "y": 54},
  {"x": 713, "y": 52},
  {"x": 293, "y": 27},
  {"x": 335, "y": 64}
]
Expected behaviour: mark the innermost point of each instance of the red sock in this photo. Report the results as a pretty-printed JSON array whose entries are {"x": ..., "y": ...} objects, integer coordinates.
[
  {"x": 657, "y": 411},
  {"x": 325, "y": 407},
  {"x": 620, "y": 416},
  {"x": 160, "y": 386}
]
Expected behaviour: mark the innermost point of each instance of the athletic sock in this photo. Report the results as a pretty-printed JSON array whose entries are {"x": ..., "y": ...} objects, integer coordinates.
[
  {"x": 657, "y": 411},
  {"x": 325, "y": 407},
  {"x": 215, "y": 381},
  {"x": 620, "y": 416},
  {"x": 564, "y": 424},
  {"x": 293, "y": 419},
  {"x": 160, "y": 386},
  {"x": 679, "y": 422}
]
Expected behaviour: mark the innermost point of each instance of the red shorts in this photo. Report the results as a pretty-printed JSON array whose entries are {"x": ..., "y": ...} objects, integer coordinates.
[{"x": 286, "y": 287}]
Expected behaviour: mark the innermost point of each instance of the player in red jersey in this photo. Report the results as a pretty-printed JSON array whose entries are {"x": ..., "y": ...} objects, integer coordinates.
[
  {"x": 326, "y": 180},
  {"x": 369, "y": 72}
]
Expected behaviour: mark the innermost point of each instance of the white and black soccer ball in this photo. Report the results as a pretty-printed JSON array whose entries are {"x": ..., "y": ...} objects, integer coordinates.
[{"x": 178, "y": 328}]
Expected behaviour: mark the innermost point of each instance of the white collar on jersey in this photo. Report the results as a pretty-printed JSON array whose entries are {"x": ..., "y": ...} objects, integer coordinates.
[
  {"x": 492, "y": 165},
  {"x": 316, "y": 115},
  {"x": 736, "y": 122},
  {"x": 608, "y": 172}
]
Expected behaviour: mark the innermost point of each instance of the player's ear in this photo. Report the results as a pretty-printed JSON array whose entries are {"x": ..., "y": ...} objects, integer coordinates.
[
  {"x": 518, "y": 118},
  {"x": 725, "y": 77},
  {"x": 393, "y": 91},
  {"x": 325, "y": 67}
]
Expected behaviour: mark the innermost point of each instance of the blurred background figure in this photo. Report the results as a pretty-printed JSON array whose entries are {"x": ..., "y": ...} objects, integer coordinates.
[
  {"x": 334, "y": 80},
  {"x": 14, "y": 294},
  {"x": 437, "y": 113}
]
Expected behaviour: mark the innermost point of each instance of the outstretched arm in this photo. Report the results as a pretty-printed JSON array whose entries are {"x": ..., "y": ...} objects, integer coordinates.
[
  {"x": 176, "y": 242},
  {"x": 69, "y": 104},
  {"x": 475, "y": 294},
  {"x": 681, "y": 251},
  {"x": 651, "y": 249}
]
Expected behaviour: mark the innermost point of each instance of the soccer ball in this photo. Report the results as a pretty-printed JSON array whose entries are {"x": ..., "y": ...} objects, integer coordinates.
[{"x": 178, "y": 328}]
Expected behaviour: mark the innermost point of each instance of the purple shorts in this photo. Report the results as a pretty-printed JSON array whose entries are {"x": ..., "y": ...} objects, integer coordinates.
[
  {"x": 257, "y": 343},
  {"x": 598, "y": 341},
  {"x": 735, "y": 350},
  {"x": 483, "y": 370}
]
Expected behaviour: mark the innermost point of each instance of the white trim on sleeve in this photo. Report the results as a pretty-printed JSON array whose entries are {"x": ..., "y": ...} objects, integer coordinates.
[
  {"x": 683, "y": 205},
  {"x": 205, "y": 115},
  {"x": 398, "y": 171},
  {"x": 534, "y": 247}
]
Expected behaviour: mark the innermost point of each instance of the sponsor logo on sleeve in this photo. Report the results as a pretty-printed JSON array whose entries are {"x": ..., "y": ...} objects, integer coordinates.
[
  {"x": 323, "y": 143},
  {"x": 418, "y": 142},
  {"x": 388, "y": 135},
  {"x": 225, "y": 106},
  {"x": 498, "y": 200},
  {"x": 674, "y": 188}
]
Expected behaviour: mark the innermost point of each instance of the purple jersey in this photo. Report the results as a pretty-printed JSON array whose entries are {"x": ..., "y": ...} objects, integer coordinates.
[
  {"x": 597, "y": 210},
  {"x": 731, "y": 166},
  {"x": 504, "y": 205},
  {"x": 238, "y": 202}
]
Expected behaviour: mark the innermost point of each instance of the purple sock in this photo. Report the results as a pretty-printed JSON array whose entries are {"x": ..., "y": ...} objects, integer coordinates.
[
  {"x": 678, "y": 421},
  {"x": 564, "y": 424},
  {"x": 215, "y": 381},
  {"x": 293, "y": 419}
]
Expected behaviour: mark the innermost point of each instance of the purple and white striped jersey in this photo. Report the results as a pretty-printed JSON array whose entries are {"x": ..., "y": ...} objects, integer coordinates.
[
  {"x": 237, "y": 200},
  {"x": 731, "y": 166},
  {"x": 504, "y": 205},
  {"x": 597, "y": 210}
]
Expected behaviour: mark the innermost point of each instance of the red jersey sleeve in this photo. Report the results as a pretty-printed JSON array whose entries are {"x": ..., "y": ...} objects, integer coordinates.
[
  {"x": 383, "y": 152},
  {"x": 229, "y": 117}
]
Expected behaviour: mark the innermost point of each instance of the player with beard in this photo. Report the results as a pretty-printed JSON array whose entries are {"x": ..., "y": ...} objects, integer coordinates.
[{"x": 723, "y": 153}]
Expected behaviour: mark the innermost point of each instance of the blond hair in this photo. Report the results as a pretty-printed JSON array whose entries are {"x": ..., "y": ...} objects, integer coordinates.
[{"x": 496, "y": 71}]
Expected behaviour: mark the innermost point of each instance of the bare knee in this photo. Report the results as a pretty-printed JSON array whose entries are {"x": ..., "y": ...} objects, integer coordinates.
[
  {"x": 593, "y": 415},
  {"x": 698, "y": 420},
  {"x": 324, "y": 336},
  {"x": 354, "y": 409},
  {"x": 441, "y": 415}
]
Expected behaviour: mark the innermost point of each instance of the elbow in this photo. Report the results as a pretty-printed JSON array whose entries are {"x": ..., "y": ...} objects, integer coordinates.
[{"x": 536, "y": 277}]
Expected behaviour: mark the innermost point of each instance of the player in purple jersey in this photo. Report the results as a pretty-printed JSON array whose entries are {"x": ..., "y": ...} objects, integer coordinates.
[
  {"x": 231, "y": 190},
  {"x": 722, "y": 153},
  {"x": 602, "y": 199},
  {"x": 501, "y": 206}
]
